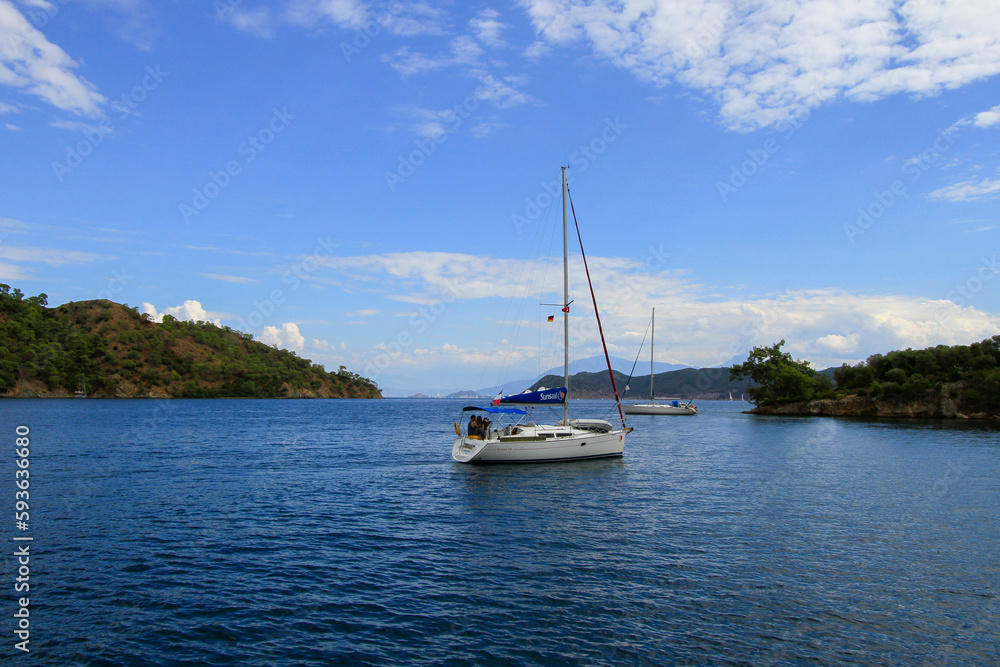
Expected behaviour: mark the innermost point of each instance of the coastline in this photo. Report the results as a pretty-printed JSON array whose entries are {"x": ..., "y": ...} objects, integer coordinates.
[{"x": 944, "y": 407}]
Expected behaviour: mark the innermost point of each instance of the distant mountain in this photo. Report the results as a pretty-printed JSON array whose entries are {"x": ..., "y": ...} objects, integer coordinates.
[
  {"x": 596, "y": 364},
  {"x": 686, "y": 383},
  {"x": 465, "y": 394}
]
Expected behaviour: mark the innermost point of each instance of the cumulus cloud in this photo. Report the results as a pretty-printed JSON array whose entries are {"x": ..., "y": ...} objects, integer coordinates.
[
  {"x": 190, "y": 310},
  {"x": 288, "y": 337},
  {"x": 31, "y": 62},
  {"x": 988, "y": 118}
]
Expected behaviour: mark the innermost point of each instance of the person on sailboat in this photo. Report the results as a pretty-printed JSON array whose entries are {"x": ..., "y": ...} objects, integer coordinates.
[{"x": 473, "y": 430}]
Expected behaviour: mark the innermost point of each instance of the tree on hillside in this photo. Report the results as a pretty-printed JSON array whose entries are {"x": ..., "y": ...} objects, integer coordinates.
[{"x": 777, "y": 378}]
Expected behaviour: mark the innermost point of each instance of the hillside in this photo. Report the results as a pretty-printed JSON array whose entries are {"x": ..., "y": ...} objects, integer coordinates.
[
  {"x": 959, "y": 381},
  {"x": 687, "y": 383},
  {"x": 114, "y": 351}
]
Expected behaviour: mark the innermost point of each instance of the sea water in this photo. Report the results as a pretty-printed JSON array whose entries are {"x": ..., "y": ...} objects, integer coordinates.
[{"x": 340, "y": 532}]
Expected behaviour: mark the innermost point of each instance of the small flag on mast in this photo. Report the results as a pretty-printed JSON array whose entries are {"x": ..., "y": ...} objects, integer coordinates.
[{"x": 551, "y": 317}]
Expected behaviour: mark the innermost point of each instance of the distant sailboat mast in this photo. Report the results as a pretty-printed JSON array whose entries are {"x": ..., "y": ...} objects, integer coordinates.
[{"x": 652, "y": 333}]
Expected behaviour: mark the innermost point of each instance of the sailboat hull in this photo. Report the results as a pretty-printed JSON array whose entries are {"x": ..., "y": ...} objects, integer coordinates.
[
  {"x": 654, "y": 409},
  {"x": 538, "y": 445}
]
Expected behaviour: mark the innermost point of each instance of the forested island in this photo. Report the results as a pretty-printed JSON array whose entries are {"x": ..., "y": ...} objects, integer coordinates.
[
  {"x": 108, "y": 350},
  {"x": 960, "y": 381}
]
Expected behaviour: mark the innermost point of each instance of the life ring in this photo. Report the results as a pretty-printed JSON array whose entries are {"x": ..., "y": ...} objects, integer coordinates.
[{"x": 458, "y": 431}]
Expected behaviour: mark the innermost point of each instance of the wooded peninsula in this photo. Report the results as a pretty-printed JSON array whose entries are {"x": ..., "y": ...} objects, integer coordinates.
[
  {"x": 107, "y": 350},
  {"x": 959, "y": 381}
]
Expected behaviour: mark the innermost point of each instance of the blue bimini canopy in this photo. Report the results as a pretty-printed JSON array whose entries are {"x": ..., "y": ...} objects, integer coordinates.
[
  {"x": 497, "y": 411},
  {"x": 540, "y": 397}
]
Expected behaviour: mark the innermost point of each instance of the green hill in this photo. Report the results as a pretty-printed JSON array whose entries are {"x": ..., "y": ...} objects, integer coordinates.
[
  {"x": 114, "y": 351},
  {"x": 957, "y": 381}
]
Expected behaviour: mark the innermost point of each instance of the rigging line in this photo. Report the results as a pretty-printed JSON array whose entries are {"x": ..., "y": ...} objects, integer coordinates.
[
  {"x": 597, "y": 314},
  {"x": 631, "y": 373}
]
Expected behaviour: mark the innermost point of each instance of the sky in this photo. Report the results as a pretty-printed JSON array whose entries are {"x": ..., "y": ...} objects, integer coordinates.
[{"x": 376, "y": 185}]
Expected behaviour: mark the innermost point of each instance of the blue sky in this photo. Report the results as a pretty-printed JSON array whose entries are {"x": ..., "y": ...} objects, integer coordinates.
[{"x": 369, "y": 183}]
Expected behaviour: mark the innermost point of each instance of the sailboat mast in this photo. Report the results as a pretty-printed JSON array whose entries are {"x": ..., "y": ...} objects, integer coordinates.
[
  {"x": 565, "y": 300},
  {"x": 652, "y": 333}
]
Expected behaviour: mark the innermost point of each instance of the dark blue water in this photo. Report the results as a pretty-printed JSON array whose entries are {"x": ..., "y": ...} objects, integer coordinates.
[{"x": 238, "y": 532}]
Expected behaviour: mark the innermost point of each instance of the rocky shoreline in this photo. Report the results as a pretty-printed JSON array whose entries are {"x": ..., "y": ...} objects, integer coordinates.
[{"x": 948, "y": 405}]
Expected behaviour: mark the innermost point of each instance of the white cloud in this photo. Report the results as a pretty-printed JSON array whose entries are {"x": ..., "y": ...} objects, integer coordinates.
[
  {"x": 132, "y": 20},
  {"x": 50, "y": 256},
  {"x": 969, "y": 190},
  {"x": 498, "y": 93},
  {"x": 288, "y": 337},
  {"x": 765, "y": 62},
  {"x": 486, "y": 27},
  {"x": 191, "y": 311},
  {"x": 257, "y": 22},
  {"x": 838, "y": 344},
  {"x": 240, "y": 280},
  {"x": 12, "y": 272},
  {"x": 80, "y": 126},
  {"x": 463, "y": 51},
  {"x": 31, "y": 62},
  {"x": 694, "y": 324},
  {"x": 342, "y": 13},
  {"x": 988, "y": 118},
  {"x": 411, "y": 18}
]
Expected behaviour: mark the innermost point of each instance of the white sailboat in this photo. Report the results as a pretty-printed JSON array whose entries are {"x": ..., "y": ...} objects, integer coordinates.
[
  {"x": 672, "y": 406},
  {"x": 501, "y": 433}
]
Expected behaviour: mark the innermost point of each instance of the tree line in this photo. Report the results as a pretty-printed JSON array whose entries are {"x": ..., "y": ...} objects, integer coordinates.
[{"x": 902, "y": 375}]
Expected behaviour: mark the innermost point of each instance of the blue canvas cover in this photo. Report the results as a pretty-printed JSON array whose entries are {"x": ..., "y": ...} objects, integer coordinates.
[
  {"x": 497, "y": 411},
  {"x": 556, "y": 395}
]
